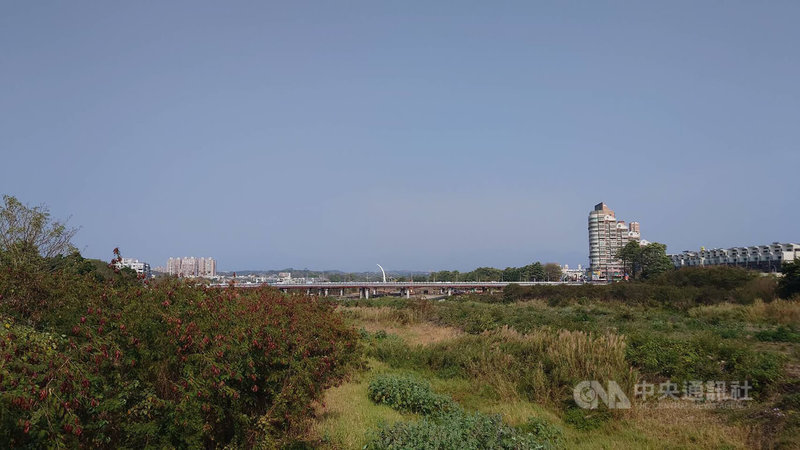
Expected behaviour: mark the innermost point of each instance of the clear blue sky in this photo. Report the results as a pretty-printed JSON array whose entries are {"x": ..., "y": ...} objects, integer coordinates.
[{"x": 419, "y": 135}]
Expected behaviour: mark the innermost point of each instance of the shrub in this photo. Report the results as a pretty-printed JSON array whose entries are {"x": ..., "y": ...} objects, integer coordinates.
[
  {"x": 546, "y": 433},
  {"x": 790, "y": 283},
  {"x": 790, "y": 401},
  {"x": 586, "y": 419},
  {"x": 456, "y": 430},
  {"x": 703, "y": 358},
  {"x": 380, "y": 334},
  {"x": 407, "y": 393},
  {"x": 681, "y": 288},
  {"x": 167, "y": 364},
  {"x": 719, "y": 277},
  {"x": 512, "y": 293},
  {"x": 445, "y": 424},
  {"x": 780, "y": 334},
  {"x": 761, "y": 287}
]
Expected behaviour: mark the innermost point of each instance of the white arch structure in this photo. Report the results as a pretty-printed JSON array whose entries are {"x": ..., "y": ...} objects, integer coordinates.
[{"x": 382, "y": 271}]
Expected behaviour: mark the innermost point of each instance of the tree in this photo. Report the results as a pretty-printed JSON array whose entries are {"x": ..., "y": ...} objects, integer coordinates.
[
  {"x": 644, "y": 261},
  {"x": 789, "y": 284},
  {"x": 484, "y": 274},
  {"x": 630, "y": 255},
  {"x": 27, "y": 232},
  {"x": 511, "y": 274},
  {"x": 534, "y": 272},
  {"x": 552, "y": 272},
  {"x": 653, "y": 260}
]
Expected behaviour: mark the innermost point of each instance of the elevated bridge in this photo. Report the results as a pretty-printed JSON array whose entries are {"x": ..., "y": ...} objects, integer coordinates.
[{"x": 405, "y": 288}]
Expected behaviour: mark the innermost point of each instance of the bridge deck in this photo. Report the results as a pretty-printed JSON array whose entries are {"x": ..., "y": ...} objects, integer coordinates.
[{"x": 407, "y": 285}]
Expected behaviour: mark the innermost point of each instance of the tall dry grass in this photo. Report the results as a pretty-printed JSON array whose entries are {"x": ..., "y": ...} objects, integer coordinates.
[
  {"x": 415, "y": 311},
  {"x": 409, "y": 324},
  {"x": 543, "y": 365},
  {"x": 556, "y": 360},
  {"x": 784, "y": 312}
]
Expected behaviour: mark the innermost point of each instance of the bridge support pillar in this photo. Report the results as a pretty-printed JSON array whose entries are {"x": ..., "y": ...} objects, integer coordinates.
[
  {"x": 308, "y": 291},
  {"x": 366, "y": 293},
  {"x": 449, "y": 292},
  {"x": 360, "y": 292},
  {"x": 326, "y": 292},
  {"x": 408, "y": 293},
  {"x": 341, "y": 292}
]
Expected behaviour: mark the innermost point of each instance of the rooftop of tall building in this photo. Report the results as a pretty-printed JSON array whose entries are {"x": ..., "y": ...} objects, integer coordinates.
[{"x": 603, "y": 207}]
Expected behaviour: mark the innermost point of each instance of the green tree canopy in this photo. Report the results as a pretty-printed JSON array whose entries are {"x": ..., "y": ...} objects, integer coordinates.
[
  {"x": 552, "y": 272},
  {"x": 789, "y": 285},
  {"x": 28, "y": 233},
  {"x": 630, "y": 257},
  {"x": 644, "y": 261},
  {"x": 654, "y": 260}
]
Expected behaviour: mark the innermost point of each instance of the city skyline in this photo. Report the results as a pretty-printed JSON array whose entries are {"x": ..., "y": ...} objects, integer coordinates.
[
  {"x": 421, "y": 137},
  {"x": 191, "y": 266}
]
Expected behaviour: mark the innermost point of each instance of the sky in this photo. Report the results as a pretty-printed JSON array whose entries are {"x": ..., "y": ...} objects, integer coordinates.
[{"x": 419, "y": 135}]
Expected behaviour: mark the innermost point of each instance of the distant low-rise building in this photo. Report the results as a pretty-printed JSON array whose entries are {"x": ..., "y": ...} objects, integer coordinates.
[
  {"x": 573, "y": 274},
  {"x": 142, "y": 268},
  {"x": 766, "y": 258}
]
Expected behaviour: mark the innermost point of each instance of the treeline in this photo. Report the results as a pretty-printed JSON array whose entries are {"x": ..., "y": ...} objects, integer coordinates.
[
  {"x": 531, "y": 272},
  {"x": 684, "y": 287}
]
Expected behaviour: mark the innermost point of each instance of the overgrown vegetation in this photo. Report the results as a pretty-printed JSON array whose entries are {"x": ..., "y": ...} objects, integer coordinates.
[
  {"x": 494, "y": 352},
  {"x": 454, "y": 430},
  {"x": 541, "y": 366},
  {"x": 91, "y": 356},
  {"x": 682, "y": 288},
  {"x": 704, "y": 357},
  {"x": 406, "y": 393},
  {"x": 780, "y": 334},
  {"x": 166, "y": 364},
  {"x": 790, "y": 283},
  {"x": 445, "y": 424}
]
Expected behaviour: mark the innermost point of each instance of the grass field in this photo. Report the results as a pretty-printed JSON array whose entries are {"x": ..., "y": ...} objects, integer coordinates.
[{"x": 522, "y": 360}]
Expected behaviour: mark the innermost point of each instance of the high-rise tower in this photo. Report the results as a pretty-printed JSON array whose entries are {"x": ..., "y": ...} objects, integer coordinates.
[{"x": 607, "y": 236}]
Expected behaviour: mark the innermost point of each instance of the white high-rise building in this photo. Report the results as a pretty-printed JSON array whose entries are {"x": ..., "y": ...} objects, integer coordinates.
[{"x": 607, "y": 236}]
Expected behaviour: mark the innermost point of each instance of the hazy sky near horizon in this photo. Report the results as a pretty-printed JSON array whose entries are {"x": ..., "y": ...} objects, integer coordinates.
[{"x": 418, "y": 135}]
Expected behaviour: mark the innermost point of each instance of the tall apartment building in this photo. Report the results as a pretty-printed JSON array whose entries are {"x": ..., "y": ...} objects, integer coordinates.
[
  {"x": 766, "y": 258},
  {"x": 607, "y": 236},
  {"x": 206, "y": 267},
  {"x": 191, "y": 266}
]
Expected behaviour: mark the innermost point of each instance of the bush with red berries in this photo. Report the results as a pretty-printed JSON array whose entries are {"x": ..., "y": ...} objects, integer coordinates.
[{"x": 110, "y": 362}]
